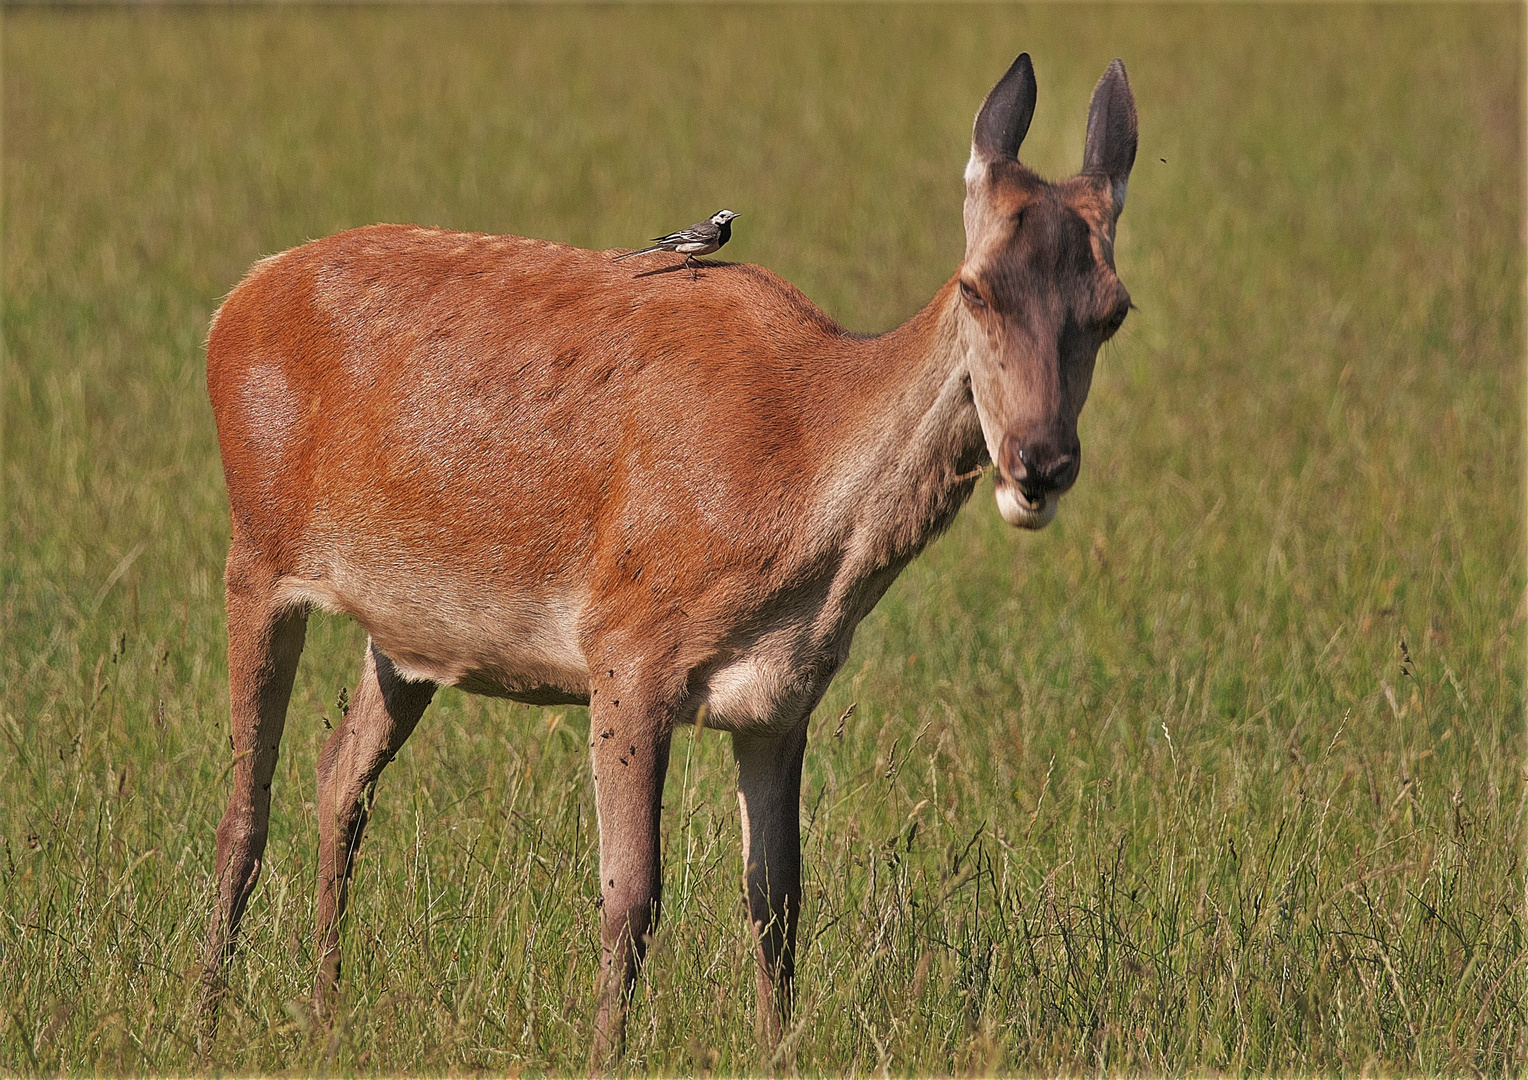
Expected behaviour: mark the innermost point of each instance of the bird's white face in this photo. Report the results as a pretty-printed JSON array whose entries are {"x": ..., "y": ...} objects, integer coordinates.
[{"x": 721, "y": 217}]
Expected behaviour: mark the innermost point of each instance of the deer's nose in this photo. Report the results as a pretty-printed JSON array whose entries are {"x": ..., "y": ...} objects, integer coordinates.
[{"x": 1041, "y": 466}]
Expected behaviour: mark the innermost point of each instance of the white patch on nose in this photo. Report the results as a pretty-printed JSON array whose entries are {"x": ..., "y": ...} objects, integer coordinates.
[{"x": 1019, "y": 511}]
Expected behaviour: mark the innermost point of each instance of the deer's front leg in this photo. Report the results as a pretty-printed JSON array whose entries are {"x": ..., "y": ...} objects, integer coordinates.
[
  {"x": 629, "y": 747},
  {"x": 769, "y": 795}
]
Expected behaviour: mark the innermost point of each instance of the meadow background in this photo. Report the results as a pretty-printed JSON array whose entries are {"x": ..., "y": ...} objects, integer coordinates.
[{"x": 1223, "y": 771}]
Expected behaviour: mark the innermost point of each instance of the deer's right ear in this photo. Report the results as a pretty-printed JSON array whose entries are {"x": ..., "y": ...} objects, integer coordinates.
[{"x": 1005, "y": 116}]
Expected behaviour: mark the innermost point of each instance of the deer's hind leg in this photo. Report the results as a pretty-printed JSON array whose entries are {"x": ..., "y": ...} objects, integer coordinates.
[
  {"x": 265, "y": 638},
  {"x": 380, "y": 720}
]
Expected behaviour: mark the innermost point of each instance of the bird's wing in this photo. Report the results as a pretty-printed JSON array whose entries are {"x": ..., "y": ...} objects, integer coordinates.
[{"x": 699, "y": 233}]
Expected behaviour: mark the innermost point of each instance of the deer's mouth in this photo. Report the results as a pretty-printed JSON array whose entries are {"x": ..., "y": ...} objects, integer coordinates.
[{"x": 1024, "y": 511}]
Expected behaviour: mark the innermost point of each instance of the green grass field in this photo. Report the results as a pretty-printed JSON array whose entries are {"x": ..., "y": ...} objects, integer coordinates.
[{"x": 1223, "y": 772}]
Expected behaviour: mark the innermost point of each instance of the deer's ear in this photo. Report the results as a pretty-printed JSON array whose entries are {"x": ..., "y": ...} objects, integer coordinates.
[
  {"x": 1110, "y": 148},
  {"x": 1005, "y": 116}
]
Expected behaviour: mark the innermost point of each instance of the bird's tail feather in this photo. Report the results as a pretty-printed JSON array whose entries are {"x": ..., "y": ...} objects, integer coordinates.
[{"x": 629, "y": 254}]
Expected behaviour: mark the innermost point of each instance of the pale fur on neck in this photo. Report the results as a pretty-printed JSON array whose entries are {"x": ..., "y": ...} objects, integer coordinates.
[{"x": 914, "y": 461}]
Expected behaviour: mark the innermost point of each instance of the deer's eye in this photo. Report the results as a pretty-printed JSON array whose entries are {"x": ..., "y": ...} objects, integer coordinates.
[
  {"x": 970, "y": 295},
  {"x": 1115, "y": 321}
]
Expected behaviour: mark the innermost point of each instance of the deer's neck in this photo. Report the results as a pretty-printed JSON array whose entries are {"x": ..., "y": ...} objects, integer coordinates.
[{"x": 919, "y": 445}]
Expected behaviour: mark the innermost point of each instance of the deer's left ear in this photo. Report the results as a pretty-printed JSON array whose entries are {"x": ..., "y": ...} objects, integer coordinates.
[
  {"x": 1110, "y": 148},
  {"x": 1005, "y": 116}
]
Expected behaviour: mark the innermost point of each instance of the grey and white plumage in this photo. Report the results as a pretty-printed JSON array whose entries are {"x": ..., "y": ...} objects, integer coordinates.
[{"x": 701, "y": 238}]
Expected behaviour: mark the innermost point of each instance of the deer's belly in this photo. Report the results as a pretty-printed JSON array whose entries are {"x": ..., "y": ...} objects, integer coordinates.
[
  {"x": 519, "y": 646},
  {"x": 526, "y": 646}
]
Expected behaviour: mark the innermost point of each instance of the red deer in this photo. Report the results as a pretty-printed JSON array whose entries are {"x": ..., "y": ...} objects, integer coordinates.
[{"x": 532, "y": 472}]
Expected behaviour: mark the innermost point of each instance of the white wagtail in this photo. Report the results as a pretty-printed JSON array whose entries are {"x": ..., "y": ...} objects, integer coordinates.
[{"x": 701, "y": 238}]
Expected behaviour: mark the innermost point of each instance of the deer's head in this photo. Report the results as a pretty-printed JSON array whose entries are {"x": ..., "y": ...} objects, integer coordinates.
[{"x": 1038, "y": 291}]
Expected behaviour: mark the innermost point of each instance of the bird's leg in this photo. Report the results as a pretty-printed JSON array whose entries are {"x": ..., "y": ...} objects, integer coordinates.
[{"x": 689, "y": 260}]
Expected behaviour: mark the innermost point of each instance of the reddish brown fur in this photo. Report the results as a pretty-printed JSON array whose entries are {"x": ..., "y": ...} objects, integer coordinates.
[{"x": 532, "y": 472}]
